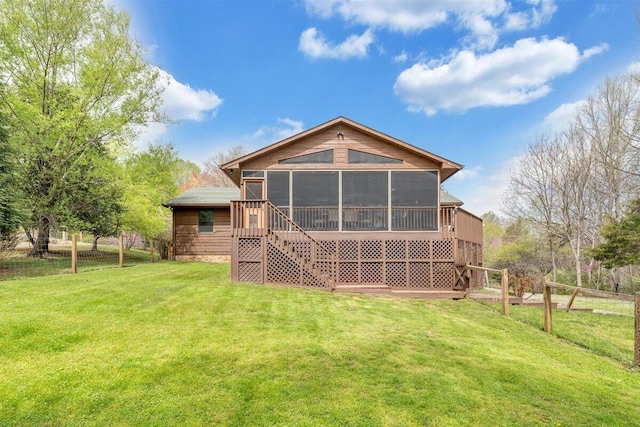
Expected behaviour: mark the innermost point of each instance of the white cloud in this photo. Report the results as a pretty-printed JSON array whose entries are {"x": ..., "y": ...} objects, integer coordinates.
[
  {"x": 284, "y": 128},
  {"x": 488, "y": 194},
  {"x": 181, "y": 102},
  {"x": 595, "y": 50},
  {"x": 149, "y": 134},
  {"x": 517, "y": 21},
  {"x": 483, "y": 19},
  {"x": 559, "y": 118},
  {"x": 467, "y": 173},
  {"x": 483, "y": 33},
  {"x": 401, "y": 15},
  {"x": 512, "y": 75},
  {"x": 313, "y": 44},
  {"x": 634, "y": 67},
  {"x": 402, "y": 57}
]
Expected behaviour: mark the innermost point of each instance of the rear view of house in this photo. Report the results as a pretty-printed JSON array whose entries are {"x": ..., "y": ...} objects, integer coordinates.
[{"x": 343, "y": 205}]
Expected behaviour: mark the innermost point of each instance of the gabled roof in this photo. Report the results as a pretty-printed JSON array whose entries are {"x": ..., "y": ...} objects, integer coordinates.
[
  {"x": 205, "y": 197},
  {"x": 448, "y": 167}
]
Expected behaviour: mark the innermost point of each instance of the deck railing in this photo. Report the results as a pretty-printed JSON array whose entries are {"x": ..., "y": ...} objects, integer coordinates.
[{"x": 253, "y": 217}]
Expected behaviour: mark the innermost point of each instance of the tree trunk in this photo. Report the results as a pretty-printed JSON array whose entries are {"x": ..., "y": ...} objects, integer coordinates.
[
  {"x": 41, "y": 244},
  {"x": 94, "y": 246},
  {"x": 554, "y": 268},
  {"x": 577, "y": 252}
]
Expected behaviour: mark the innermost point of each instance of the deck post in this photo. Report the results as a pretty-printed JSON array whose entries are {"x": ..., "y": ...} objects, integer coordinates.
[
  {"x": 505, "y": 292},
  {"x": 637, "y": 333},
  {"x": 547, "y": 308}
]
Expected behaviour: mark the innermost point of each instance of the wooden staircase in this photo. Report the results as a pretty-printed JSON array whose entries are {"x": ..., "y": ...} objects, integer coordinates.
[
  {"x": 311, "y": 272},
  {"x": 295, "y": 257}
]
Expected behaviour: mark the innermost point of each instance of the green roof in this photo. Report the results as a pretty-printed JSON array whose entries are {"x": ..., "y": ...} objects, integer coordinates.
[
  {"x": 205, "y": 196},
  {"x": 448, "y": 199}
]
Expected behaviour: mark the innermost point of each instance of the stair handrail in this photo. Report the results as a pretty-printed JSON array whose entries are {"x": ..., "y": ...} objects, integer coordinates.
[{"x": 292, "y": 224}]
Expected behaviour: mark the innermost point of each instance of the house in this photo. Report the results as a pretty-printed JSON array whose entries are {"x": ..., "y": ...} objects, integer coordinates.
[
  {"x": 201, "y": 224},
  {"x": 339, "y": 205}
]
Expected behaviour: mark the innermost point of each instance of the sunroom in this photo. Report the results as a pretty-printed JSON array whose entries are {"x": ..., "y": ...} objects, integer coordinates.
[{"x": 350, "y": 200}]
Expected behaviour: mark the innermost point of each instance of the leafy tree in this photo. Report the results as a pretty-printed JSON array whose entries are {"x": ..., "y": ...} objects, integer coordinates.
[
  {"x": 621, "y": 239},
  {"x": 96, "y": 200},
  {"x": 186, "y": 171},
  {"x": 11, "y": 212},
  {"x": 150, "y": 183},
  {"x": 77, "y": 87}
]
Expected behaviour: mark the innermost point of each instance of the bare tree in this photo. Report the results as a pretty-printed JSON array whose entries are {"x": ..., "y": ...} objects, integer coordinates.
[
  {"x": 212, "y": 175},
  {"x": 532, "y": 194},
  {"x": 552, "y": 189},
  {"x": 610, "y": 120}
]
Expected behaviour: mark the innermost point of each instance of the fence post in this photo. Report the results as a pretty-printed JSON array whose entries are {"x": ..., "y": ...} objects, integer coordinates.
[
  {"x": 573, "y": 297},
  {"x": 547, "y": 308},
  {"x": 505, "y": 292},
  {"x": 637, "y": 334},
  {"x": 74, "y": 254},
  {"x": 151, "y": 249},
  {"x": 121, "y": 251}
]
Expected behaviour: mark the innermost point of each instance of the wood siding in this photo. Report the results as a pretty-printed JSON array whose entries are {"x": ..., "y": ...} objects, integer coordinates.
[
  {"x": 328, "y": 139},
  {"x": 468, "y": 227},
  {"x": 189, "y": 242}
]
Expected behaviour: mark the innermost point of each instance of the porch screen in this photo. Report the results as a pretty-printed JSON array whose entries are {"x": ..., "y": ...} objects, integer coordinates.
[
  {"x": 315, "y": 199},
  {"x": 364, "y": 200},
  {"x": 278, "y": 189},
  {"x": 414, "y": 200}
]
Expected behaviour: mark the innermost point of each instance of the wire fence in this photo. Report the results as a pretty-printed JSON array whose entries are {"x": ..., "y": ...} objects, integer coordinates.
[
  {"x": 20, "y": 262},
  {"x": 607, "y": 323}
]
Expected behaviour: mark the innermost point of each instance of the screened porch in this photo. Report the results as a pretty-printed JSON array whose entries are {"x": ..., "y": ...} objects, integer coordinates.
[{"x": 340, "y": 200}]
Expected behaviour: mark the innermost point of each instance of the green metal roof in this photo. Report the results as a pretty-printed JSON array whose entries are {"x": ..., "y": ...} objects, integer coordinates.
[
  {"x": 448, "y": 199},
  {"x": 205, "y": 196}
]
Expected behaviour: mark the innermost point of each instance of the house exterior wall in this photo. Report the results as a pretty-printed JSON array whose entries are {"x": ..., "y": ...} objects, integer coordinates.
[
  {"x": 468, "y": 227},
  {"x": 191, "y": 245},
  {"x": 328, "y": 139}
]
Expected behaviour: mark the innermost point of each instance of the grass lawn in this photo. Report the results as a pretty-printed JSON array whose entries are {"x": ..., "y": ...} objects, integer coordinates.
[{"x": 178, "y": 344}]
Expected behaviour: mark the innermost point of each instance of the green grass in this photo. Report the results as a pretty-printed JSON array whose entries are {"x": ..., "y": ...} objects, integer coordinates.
[{"x": 178, "y": 344}]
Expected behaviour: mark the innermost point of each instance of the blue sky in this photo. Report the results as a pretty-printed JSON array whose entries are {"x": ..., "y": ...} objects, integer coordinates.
[{"x": 472, "y": 81}]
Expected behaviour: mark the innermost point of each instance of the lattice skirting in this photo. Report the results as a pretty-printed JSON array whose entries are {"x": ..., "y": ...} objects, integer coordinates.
[{"x": 398, "y": 263}]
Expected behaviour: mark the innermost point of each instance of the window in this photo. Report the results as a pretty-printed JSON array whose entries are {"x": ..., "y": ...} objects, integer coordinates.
[
  {"x": 361, "y": 157},
  {"x": 253, "y": 190},
  {"x": 325, "y": 156},
  {"x": 205, "y": 221},
  {"x": 253, "y": 174}
]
